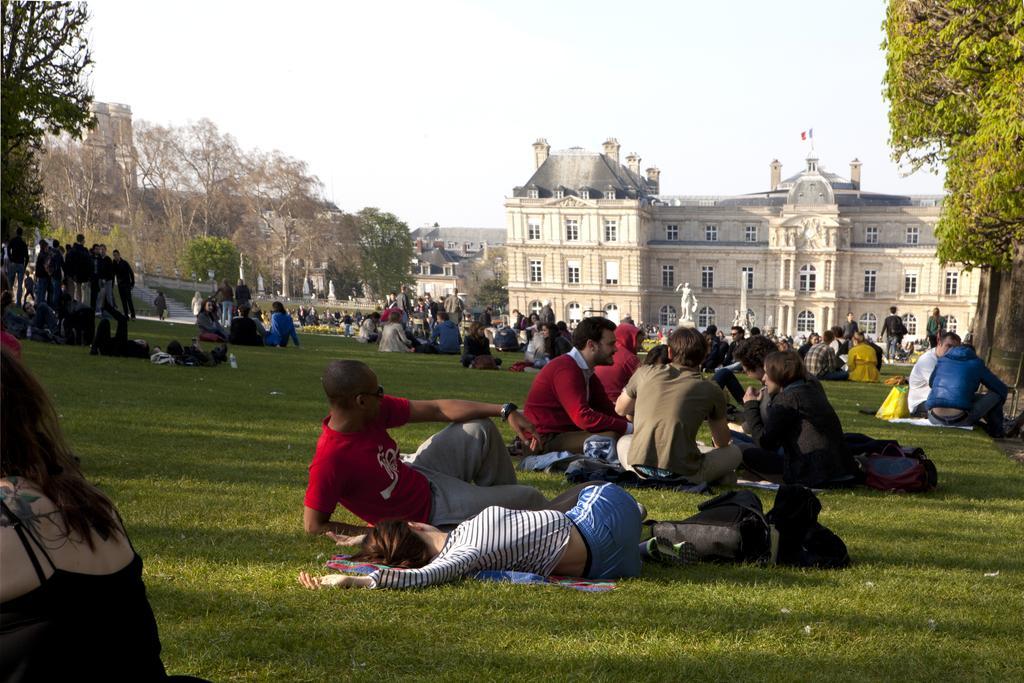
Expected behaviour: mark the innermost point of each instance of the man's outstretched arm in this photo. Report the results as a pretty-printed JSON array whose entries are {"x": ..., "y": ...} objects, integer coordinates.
[
  {"x": 316, "y": 522},
  {"x": 455, "y": 410}
]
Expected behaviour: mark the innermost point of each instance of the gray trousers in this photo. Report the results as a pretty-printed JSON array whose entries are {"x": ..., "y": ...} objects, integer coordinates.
[{"x": 469, "y": 469}]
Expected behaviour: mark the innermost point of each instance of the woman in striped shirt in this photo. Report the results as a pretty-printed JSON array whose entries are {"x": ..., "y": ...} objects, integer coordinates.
[{"x": 598, "y": 539}]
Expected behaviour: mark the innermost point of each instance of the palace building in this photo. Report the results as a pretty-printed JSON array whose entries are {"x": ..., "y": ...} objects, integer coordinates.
[{"x": 596, "y": 237}]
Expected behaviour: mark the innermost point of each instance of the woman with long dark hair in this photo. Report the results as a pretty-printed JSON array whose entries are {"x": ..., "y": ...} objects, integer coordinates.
[{"x": 72, "y": 601}]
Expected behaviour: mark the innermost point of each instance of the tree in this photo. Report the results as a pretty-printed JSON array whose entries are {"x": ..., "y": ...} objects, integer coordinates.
[
  {"x": 44, "y": 87},
  {"x": 955, "y": 84},
  {"x": 218, "y": 254},
  {"x": 385, "y": 250}
]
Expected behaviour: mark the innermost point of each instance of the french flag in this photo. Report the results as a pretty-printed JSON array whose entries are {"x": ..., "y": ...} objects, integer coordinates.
[{"x": 807, "y": 134}]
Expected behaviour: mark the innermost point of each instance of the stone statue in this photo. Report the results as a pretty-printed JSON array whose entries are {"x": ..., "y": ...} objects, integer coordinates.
[
  {"x": 737, "y": 319},
  {"x": 259, "y": 284},
  {"x": 241, "y": 267},
  {"x": 330, "y": 290},
  {"x": 687, "y": 302},
  {"x": 770, "y": 322},
  {"x": 305, "y": 288}
]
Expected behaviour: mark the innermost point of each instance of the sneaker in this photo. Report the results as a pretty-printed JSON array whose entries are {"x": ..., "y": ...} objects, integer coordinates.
[{"x": 665, "y": 551}]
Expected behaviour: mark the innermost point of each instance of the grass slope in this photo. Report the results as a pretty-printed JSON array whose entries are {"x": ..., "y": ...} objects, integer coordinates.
[{"x": 208, "y": 468}]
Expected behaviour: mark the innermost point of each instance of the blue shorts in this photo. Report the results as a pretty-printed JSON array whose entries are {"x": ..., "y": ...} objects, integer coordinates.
[{"x": 609, "y": 520}]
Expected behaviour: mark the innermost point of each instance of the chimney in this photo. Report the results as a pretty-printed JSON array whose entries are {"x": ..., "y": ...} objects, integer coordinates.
[
  {"x": 776, "y": 174},
  {"x": 611, "y": 149},
  {"x": 633, "y": 163},
  {"x": 654, "y": 178},
  {"x": 541, "y": 148},
  {"x": 855, "y": 173}
]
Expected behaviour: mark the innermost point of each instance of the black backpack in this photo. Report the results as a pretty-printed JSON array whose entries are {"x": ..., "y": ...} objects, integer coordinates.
[
  {"x": 802, "y": 541},
  {"x": 729, "y": 528}
]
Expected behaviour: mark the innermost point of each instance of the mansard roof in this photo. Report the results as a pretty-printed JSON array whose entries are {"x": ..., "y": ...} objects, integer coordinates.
[
  {"x": 493, "y": 236},
  {"x": 576, "y": 169}
]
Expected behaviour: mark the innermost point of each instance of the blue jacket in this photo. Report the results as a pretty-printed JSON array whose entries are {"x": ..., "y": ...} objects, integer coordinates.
[
  {"x": 281, "y": 329},
  {"x": 956, "y": 377},
  {"x": 446, "y": 336}
]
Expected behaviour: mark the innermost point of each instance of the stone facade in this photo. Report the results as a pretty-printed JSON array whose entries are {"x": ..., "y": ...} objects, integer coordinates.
[
  {"x": 113, "y": 139},
  {"x": 595, "y": 237}
]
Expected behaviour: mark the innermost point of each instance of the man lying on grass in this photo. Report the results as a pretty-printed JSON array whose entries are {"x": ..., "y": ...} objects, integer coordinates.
[
  {"x": 452, "y": 476},
  {"x": 599, "y": 538}
]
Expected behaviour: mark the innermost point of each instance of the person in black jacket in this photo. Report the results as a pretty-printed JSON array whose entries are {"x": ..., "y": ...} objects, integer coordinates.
[
  {"x": 17, "y": 259},
  {"x": 125, "y": 283},
  {"x": 43, "y": 287},
  {"x": 716, "y": 349},
  {"x": 476, "y": 344},
  {"x": 802, "y": 422},
  {"x": 244, "y": 330},
  {"x": 78, "y": 266}
]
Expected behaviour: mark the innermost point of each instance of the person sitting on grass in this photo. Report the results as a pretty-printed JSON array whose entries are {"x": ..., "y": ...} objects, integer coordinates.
[
  {"x": 244, "y": 330},
  {"x": 208, "y": 322},
  {"x": 862, "y": 360},
  {"x": 921, "y": 374},
  {"x": 453, "y": 475},
  {"x": 477, "y": 344},
  {"x": 281, "y": 327},
  {"x": 445, "y": 336},
  {"x": 368, "y": 329},
  {"x": 800, "y": 420},
  {"x": 616, "y": 376},
  {"x": 392, "y": 337},
  {"x": 953, "y": 400},
  {"x": 599, "y": 538},
  {"x": 506, "y": 339},
  {"x": 669, "y": 404},
  {"x": 822, "y": 362},
  {"x": 71, "y": 578},
  {"x": 567, "y": 401}
]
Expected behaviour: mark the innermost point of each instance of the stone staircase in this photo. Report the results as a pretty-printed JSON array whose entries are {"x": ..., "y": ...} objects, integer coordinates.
[{"x": 176, "y": 311}]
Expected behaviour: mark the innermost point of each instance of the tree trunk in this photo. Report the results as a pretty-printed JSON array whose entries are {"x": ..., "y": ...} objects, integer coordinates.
[
  {"x": 1000, "y": 320},
  {"x": 284, "y": 278}
]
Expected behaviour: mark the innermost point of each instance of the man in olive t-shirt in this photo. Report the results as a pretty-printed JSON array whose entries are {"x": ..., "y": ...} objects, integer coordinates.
[{"x": 669, "y": 403}]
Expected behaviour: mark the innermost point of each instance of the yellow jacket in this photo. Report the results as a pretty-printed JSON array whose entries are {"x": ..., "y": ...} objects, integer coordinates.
[{"x": 861, "y": 363}]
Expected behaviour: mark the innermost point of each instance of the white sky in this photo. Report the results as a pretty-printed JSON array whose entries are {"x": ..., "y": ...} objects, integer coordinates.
[{"x": 429, "y": 109}]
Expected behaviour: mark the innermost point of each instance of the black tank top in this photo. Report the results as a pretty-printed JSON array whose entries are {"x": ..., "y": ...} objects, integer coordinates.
[{"x": 75, "y": 625}]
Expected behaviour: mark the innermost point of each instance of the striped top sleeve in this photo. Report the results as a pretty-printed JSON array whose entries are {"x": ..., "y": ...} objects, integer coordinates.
[{"x": 497, "y": 538}]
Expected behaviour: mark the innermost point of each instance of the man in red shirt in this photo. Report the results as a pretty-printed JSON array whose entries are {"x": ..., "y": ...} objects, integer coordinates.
[
  {"x": 567, "y": 402},
  {"x": 452, "y": 476}
]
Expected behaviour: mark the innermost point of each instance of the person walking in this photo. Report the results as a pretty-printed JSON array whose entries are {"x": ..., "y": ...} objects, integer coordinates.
[
  {"x": 125, "y": 284},
  {"x": 454, "y": 307},
  {"x": 893, "y": 330},
  {"x": 226, "y": 299},
  {"x": 936, "y": 327}
]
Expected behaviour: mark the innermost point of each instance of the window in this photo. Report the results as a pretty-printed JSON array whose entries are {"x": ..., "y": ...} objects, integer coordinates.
[
  {"x": 574, "y": 312},
  {"x": 572, "y": 275},
  {"x": 672, "y": 232},
  {"x": 611, "y": 231},
  {"x": 808, "y": 279},
  {"x": 535, "y": 307},
  {"x": 710, "y": 233},
  {"x": 705, "y": 316},
  {"x": 572, "y": 229},
  {"x": 611, "y": 272},
  {"x": 951, "y": 323},
  {"x": 868, "y": 323},
  {"x": 747, "y": 278},
  {"x": 751, "y": 233},
  {"x": 870, "y": 280},
  {"x": 536, "y": 270},
  {"x": 910, "y": 322},
  {"x": 913, "y": 234},
  {"x": 533, "y": 231},
  {"x": 668, "y": 276},
  {"x": 805, "y": 321},
  {"x": 532, "y": 193},
  {"x": 584, "y": 194},
  {"x": 707, "y": 277},
  {"x": 449, "y": 270},
  {"x": 910, "y": 283},
  {"x": 871, "y": 234},
  {"x": 609, "y": 194},
  {"x": 424, "y": 269},
  {"x": 449, "y": 245},
  {"x": 952, "y": 282},
  {"x": 559, "y": 194},
  {"x": 667, "y": 316},
  {"x": 611, "y": 311}
]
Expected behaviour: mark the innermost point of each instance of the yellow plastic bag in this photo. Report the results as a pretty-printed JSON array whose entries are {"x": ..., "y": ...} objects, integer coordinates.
[{"x": 895, "y": 404}]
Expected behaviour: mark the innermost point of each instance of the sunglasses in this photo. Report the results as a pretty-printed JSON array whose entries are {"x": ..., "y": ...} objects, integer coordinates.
[{"x": 379, "y": 393}]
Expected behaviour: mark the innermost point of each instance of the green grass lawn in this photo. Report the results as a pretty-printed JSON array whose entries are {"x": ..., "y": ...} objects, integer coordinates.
[{"x": 208, "y": 468}]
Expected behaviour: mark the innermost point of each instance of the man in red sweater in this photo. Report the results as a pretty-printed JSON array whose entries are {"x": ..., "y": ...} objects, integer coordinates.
[{"x": 567, "y": 403}]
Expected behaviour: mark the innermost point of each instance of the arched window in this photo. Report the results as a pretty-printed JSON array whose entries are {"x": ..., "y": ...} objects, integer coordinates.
[
  {"x": 868, "y": 323},
  {"x": 950, "y": 323},
  {"x": 808, "y": 279},
  {"x": 535, "y": 306},
  {"x": 611, "y": 311},
  {"x": 705, "y": 316},
  {"x": 805, "y": 321},
  {"x": 667, "y": 316},
  {"x": 574, "y": 312},
  {"x": 910, "y": 322}
]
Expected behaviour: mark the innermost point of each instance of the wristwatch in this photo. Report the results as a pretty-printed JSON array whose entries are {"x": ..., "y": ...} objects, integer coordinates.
[{"x": 506, "y": 410}]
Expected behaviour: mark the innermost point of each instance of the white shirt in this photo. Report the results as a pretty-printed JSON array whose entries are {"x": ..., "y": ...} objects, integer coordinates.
[
  {"x": 587, "y": 374},
  {"x": 919, "y": 376}
]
